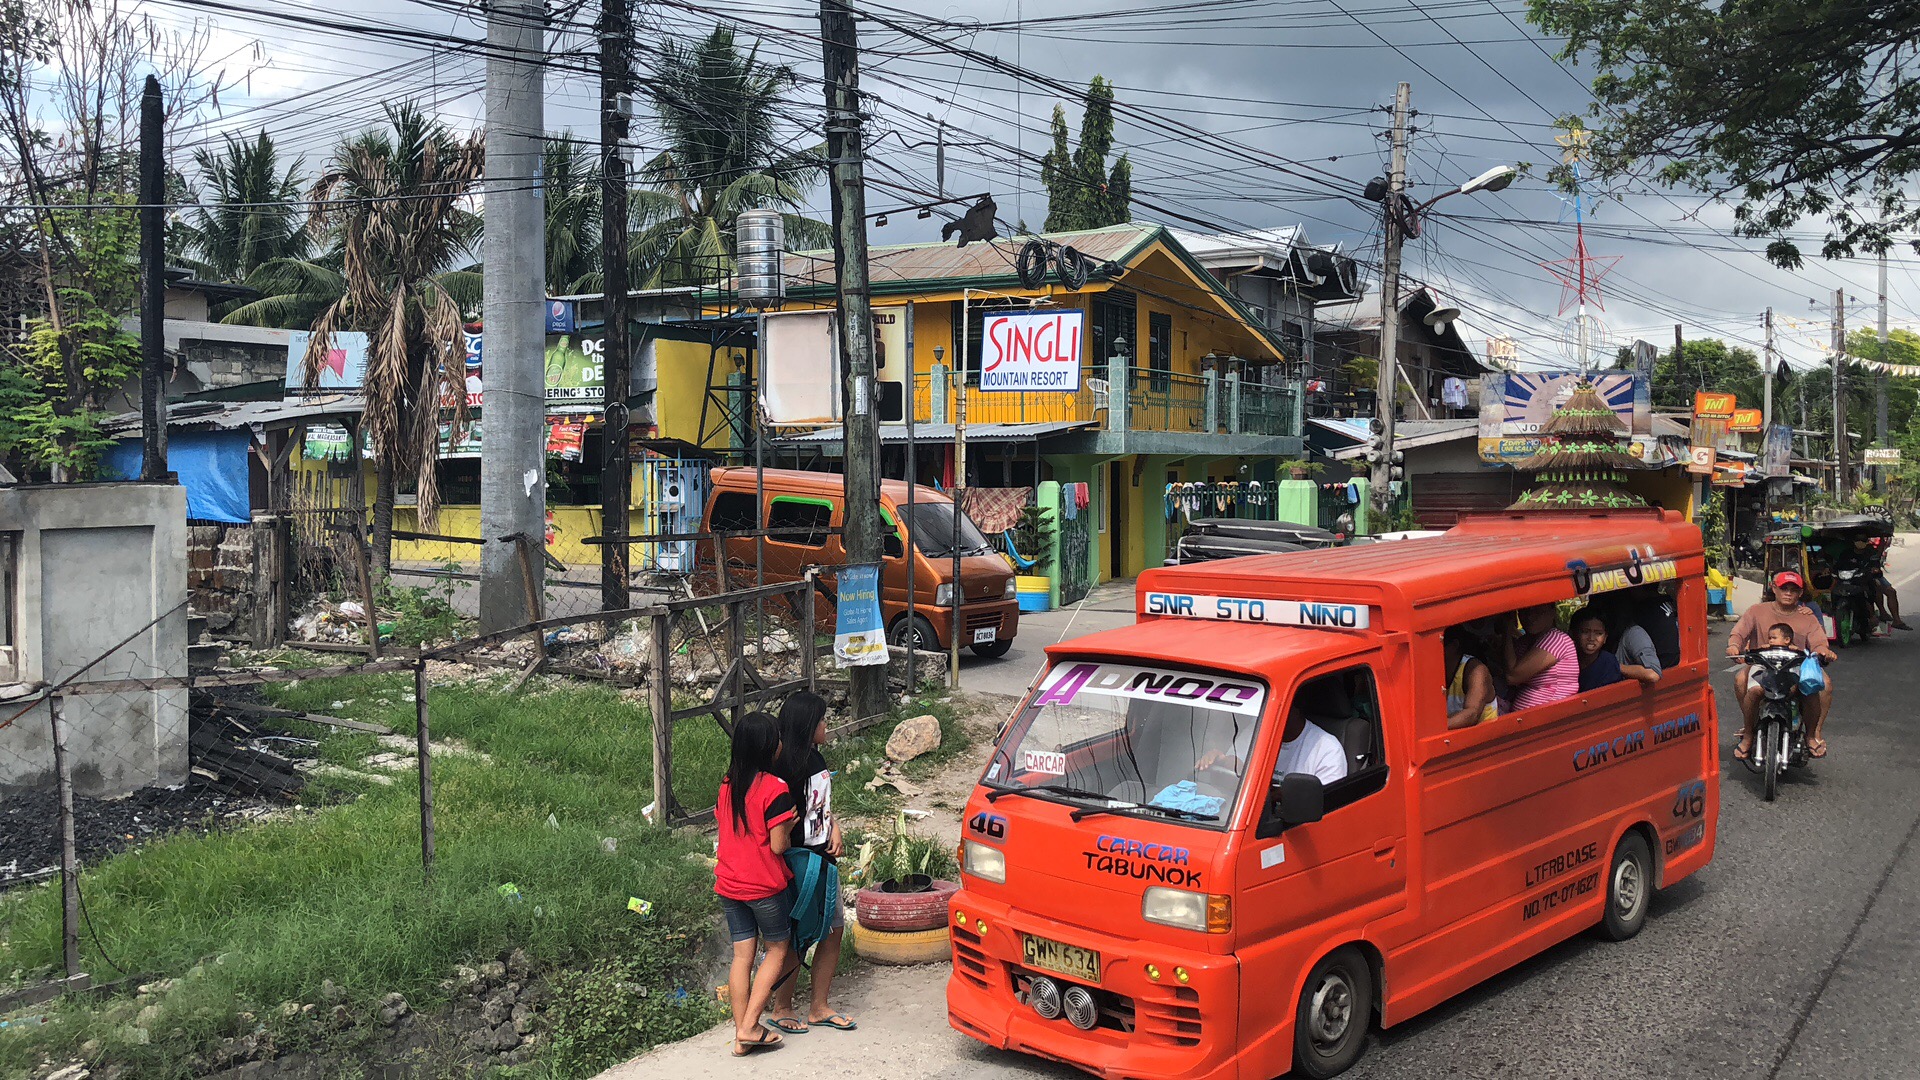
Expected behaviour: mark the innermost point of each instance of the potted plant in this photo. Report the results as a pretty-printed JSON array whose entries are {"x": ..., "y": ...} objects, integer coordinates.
[
  {"x": 900, "y": 916},
  {"x": 1033, "y": 539}
]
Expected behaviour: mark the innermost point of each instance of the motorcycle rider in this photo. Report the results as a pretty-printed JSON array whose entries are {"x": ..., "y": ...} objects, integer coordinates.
[{"x": 1808, "y": 636}]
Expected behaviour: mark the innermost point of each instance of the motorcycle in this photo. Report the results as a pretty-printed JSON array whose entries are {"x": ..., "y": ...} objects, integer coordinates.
[
  {"x": 1855, "y": 610},
  {"x": 1779, "y": 738}
]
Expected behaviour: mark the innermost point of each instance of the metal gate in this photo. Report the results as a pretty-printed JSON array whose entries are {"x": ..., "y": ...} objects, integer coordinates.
[{"x": 1075, "y": 538}]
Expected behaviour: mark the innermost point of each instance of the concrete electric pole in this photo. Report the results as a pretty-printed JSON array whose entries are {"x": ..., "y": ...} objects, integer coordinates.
[
  {"x": 1880, "y": 381},
  {"x": 1766, "y": 391},
  {"x": 616, "y": 353},
  {"x": 861, "y": 528},
  {"x": 513, "y": 462},
  {"x": 1387, "y": 378},
  {"x": 153, "y": 295},
  {"x": 1840, "y": 454}
]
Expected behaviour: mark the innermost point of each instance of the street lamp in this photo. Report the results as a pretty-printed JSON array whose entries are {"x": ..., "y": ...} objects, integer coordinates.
[{"x": 1402, "y": 220}]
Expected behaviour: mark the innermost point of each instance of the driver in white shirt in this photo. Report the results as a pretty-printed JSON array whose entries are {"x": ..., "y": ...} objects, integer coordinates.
[{"x": 1305, "y": 747}]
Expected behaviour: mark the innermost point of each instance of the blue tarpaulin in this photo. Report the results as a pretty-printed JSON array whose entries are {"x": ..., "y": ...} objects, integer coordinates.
[{"x": 212, "y": 466}]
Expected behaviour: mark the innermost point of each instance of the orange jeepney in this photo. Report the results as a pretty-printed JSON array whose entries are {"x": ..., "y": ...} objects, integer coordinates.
[{"x": 1166, "y": 874}]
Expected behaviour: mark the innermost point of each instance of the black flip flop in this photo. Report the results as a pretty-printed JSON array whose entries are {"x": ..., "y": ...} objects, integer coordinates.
[{"x": 743, "y": 1047}]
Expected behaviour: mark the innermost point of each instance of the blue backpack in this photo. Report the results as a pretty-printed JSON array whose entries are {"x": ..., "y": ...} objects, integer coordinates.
[{"x": 816, "y": 887}]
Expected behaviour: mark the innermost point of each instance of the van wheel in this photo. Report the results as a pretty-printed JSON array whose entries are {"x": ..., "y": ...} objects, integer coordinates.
[
  {"x": 1629, "y": 888},
  {"x": 993, "y": 651},
  {"x": 1336, "y": 1009},
  {"x": 914, "y": 632}
]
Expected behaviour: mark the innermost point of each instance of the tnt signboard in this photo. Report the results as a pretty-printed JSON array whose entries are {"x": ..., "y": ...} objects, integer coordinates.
[
  {"x": 1745, "y": 420},
  {"x": 1712, "y": 406},
  {"x": 1031, "y": 350}
]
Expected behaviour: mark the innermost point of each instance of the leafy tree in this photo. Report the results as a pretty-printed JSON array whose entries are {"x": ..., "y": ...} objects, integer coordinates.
[
  {"x": 251, "y": 216},
  {"x": 1706, "y": 364},
  {"x": 1903, "y": 392},
  {"x": 570, "y": 181},
  {"x": 1793, "y": 108},
  {"x": 1082, "y": 192},
  {"x": 396, "y": 200},
  {"x": 719, "y": 111}
]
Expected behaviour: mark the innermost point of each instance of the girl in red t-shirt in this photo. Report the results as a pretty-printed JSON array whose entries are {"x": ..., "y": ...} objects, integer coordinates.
[{"x": 753, "y": 815}]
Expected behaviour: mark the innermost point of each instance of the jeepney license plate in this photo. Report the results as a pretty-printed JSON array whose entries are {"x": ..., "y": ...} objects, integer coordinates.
[
  {"x": 1070, "y": 960},
  {"x": 984, "y": 635}
]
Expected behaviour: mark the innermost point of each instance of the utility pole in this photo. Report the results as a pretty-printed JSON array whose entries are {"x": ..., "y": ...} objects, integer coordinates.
[
  {"x": 1766, "y": 392},
  {"x": 153, "y": 298},
  {"x": 861, "y": 527},
  {"x": 513, "y": 464},
  {"x": 616, "y": 353},
  {"x": 1880, "y": 382},
  {"x": 1840, "y": 454},
  {"x": 1387, "y": 379}
]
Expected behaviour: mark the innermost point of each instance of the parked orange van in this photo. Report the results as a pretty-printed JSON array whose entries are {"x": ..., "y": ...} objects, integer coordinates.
[
  {"x": 792, "y": 499},
  {"x": 1156, "y": 884}
]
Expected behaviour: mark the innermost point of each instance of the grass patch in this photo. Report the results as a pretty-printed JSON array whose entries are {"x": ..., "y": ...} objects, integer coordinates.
[{"x": 265, "y": 913}]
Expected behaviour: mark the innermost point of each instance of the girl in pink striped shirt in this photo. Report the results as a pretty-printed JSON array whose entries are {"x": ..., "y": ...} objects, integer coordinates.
[{"x": 1544, "y": 666}]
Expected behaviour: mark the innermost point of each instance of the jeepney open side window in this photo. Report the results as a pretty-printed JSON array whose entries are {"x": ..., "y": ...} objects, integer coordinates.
[{"x": 1345, "y": 704}]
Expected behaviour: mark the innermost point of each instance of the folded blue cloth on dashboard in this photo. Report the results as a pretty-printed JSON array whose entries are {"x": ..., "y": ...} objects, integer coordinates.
[{"x": 1184, "y": 796}]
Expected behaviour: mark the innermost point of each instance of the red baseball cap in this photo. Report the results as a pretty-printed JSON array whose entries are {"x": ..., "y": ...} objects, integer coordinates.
[{"x": 1788, "y": 577}]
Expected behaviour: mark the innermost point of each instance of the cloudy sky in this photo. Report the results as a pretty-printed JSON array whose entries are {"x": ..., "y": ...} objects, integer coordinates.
[{"x": 1238, "y": 113}]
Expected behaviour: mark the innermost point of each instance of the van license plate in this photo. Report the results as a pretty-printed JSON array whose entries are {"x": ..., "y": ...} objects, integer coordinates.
[
  {"x": 1070, "y": 960},
  {"x": 985, "y": 635}
]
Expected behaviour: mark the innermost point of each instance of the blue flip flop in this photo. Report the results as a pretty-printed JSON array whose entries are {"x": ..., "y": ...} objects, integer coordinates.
[{"x": 837, "y": 1022}]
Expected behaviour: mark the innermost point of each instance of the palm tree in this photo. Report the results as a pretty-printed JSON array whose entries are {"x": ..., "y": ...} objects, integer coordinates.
[
  {"x": 719, "y": 113},
  {"x": 253, "y": 217},
  {"x": 395, "y": 200},
  {"x": 570, "y": 180}
]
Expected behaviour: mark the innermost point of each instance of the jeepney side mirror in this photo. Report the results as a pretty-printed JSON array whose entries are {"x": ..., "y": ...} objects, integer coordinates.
[{"x": 1298, "y": 799}]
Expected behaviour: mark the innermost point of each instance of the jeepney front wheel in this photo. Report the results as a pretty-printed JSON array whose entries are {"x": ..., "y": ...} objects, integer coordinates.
[
  {"x": 1629, "y": 888},
  {"x": 1336, "y": 1009}
]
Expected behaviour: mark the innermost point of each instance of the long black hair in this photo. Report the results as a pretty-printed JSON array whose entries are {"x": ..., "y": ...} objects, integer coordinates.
[
  {"x": 799, "y": 716},
  {"x": 756, "y": 743}
]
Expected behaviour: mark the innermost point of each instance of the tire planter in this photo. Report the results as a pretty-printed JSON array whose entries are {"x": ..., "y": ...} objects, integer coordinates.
[
  {"x": 911, "y": 947},
  {"x": 904, "y": 912}
]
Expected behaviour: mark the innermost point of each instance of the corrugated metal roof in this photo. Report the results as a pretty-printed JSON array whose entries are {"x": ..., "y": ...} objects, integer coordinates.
[
  {"x": 938, "y": 262},
  {"x": 943, "y": 433},
  {"x": 241, "y": 414}
]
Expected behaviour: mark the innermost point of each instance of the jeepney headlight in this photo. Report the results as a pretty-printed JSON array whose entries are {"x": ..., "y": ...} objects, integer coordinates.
[
  {"x": 1011, "y": 591},
  {"x": 943, "y": 595},
  {"x": 986, "y": 863},
  {"x": 1187, "y": 910}
]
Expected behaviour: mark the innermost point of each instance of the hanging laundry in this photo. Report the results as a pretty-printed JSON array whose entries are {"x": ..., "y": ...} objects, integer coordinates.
[
  {"x": 1082, "y": 496},
  {"x": 1454, "y": 392}
]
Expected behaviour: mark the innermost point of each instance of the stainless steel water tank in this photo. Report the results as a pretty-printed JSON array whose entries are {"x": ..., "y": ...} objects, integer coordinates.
[{"x": 759, "y": 239}]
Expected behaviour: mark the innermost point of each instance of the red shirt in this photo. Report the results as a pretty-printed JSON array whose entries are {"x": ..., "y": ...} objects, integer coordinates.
[{"x": 748, "y": 869}]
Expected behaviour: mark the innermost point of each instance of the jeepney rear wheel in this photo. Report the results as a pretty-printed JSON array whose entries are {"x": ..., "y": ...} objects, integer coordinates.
[
  {"x": 1336, "y": 1009},
  {"x": 1629, "y": 888}
]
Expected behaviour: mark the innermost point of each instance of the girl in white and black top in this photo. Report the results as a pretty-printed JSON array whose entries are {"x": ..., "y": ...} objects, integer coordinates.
[{"x": 803, "y": 730}]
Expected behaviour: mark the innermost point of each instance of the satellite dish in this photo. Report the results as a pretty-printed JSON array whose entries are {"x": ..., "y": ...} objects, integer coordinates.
[{"x": 1438, "y": 318}]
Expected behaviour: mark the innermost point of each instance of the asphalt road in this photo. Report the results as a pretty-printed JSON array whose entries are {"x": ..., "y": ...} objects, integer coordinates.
[{"x": 1796, "y": 954}]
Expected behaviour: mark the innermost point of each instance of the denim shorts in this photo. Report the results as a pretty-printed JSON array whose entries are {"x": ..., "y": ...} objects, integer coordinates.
[{"x": 767, "y": 918}]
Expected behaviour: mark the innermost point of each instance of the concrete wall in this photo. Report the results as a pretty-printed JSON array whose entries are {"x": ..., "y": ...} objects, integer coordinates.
[{"x": 96, "y": 562}]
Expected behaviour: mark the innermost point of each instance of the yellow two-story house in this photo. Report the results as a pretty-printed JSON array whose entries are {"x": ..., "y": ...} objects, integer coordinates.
[{"x": 1178, "y": 381}]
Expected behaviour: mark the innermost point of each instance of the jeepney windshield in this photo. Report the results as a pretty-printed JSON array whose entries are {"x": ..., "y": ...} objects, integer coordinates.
[{"x": 1161, "y": 742}]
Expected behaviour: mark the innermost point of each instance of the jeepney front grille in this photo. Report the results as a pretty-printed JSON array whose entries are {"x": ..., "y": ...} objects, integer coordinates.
[
  {"x": 1169, "y": 1022},
  {"x": 970, "y": 960}
]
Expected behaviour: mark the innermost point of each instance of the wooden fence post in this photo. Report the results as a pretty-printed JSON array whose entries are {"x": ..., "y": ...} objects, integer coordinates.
[
  {"x": 69, "y": 861},
  {"x": 421, "y": 743},
  {"x": 804, "y": 637},
  {"x": 660, "y": 704},
  {"x": 365, "y": 573}
]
